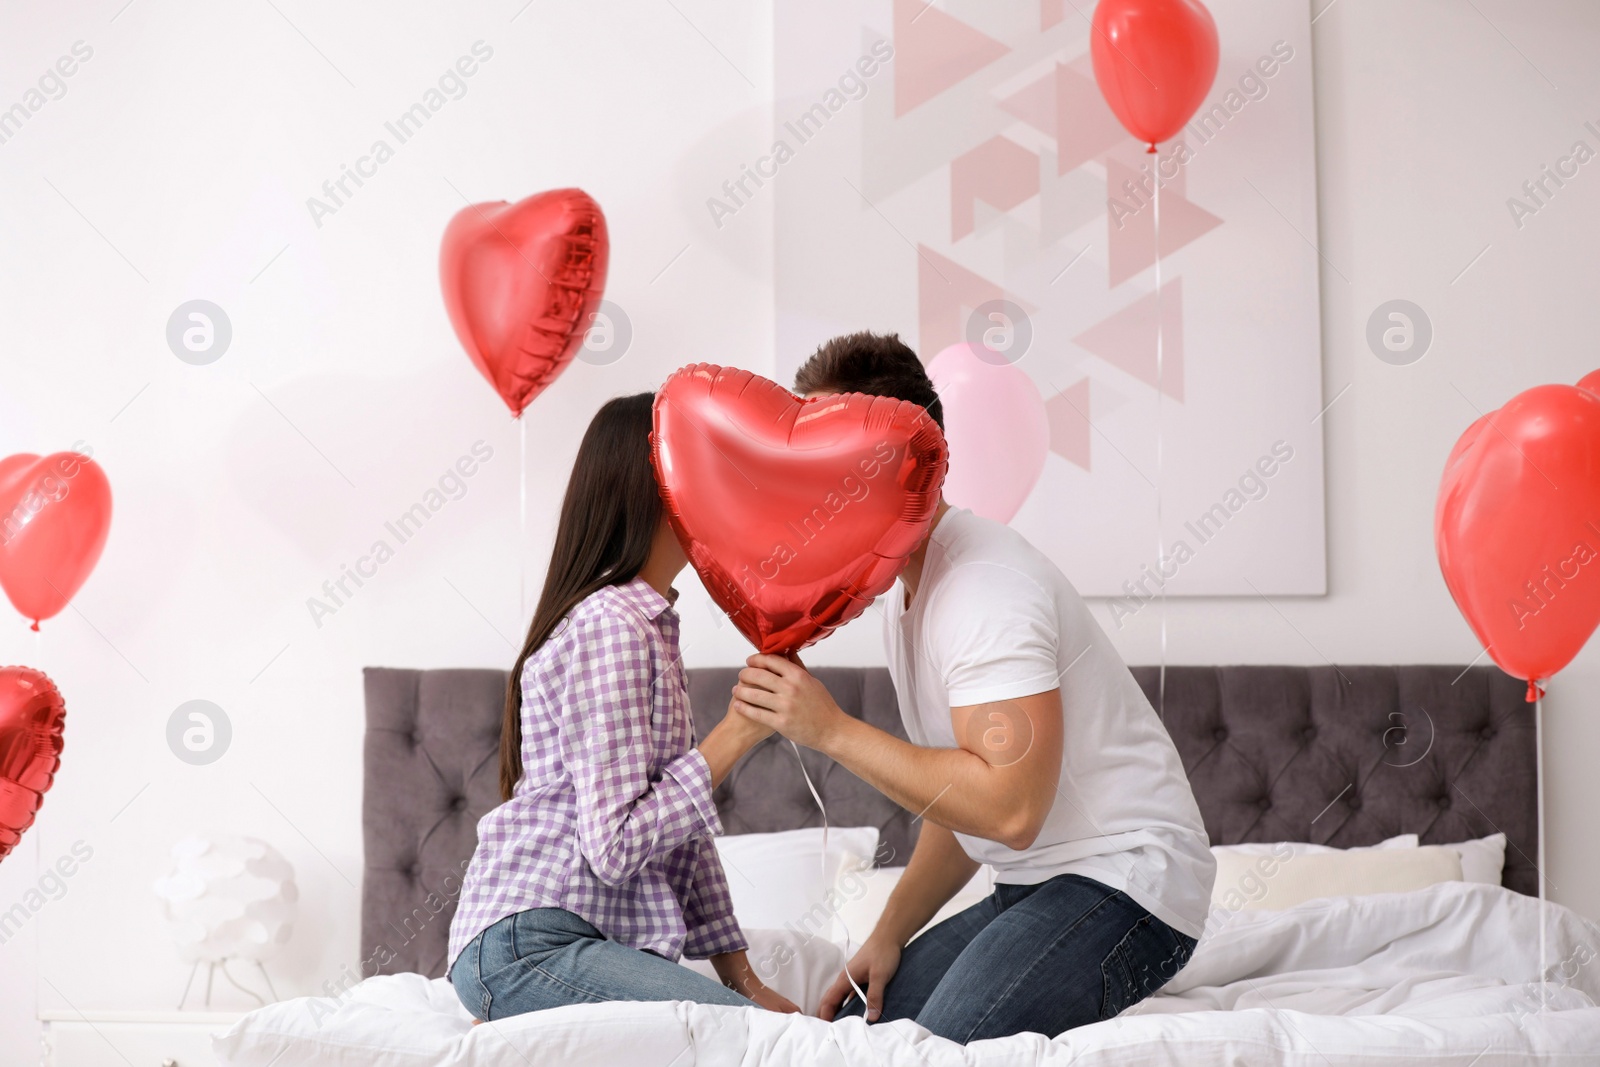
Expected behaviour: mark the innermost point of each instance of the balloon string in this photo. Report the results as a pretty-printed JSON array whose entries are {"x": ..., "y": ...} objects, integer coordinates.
[
  {"x": 823, "y": 808},
  {"x": 38, "y": 928},
  {"x": 1538, "y": 756},
  {"x": 522, "y": 518},
  {"x": 38, "y": 856},
  {"x": 1161, "y": 547}
]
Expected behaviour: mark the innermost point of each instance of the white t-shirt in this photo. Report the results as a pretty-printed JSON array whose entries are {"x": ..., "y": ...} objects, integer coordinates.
[{"x": 994, "y": 620}]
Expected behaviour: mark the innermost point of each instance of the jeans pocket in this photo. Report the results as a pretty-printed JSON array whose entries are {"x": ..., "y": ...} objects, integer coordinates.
[
  {"x": 533, "y": 935},
  {"x": 1120, "y": 972},
  {"x": 1175, "y": 958},
  {"x": 1149, "y": 956}
]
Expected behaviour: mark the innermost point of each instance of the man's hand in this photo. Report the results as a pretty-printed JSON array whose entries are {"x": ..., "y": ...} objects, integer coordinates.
[
  {"x": 872, "y": 967},
  {"x": 783, "y": 696}
]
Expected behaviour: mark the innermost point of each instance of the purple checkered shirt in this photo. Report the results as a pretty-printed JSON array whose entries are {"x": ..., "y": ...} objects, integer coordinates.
[{"x": 612, "y": 818}]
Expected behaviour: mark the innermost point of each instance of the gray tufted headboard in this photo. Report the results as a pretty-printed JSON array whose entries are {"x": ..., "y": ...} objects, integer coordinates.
[{"x": 1337, "y": 755}]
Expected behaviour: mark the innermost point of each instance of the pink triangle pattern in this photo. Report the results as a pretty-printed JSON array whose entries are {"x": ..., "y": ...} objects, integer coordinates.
[
  {"x": 1130, "y": 231},
  {"x": 1085, "y": 127},
  {"x": 1035, "y": 104},
  {"x": 933, "y": 51},
  {"x": 1066, "y": 104},
  {"x": 1068, "y": 414},
  {"x": 1127, "y": 339},
  {"x": 945, "y": 290},
  {"x": 999, "y": 172}
]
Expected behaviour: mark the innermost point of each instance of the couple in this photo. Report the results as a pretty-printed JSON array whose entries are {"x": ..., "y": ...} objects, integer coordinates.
[{"x": 598, "y": 872}]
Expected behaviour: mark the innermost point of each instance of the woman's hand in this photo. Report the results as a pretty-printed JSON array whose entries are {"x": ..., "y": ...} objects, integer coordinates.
[
  {"x": 728, "y": 741},
  {"x": 771, "y": 999},
  {"x": 736, "y": 973},
  {"x": 871, "y": 967},
  {"x": 745, "y": 729}
]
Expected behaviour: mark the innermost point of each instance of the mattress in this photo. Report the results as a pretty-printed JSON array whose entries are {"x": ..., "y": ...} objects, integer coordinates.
[{"x": 1456, "y": 974}]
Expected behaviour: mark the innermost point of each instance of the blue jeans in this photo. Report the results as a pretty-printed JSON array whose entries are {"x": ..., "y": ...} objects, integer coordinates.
[
  {"x": 549, "y": 958},
  {"x": 1039, "y": 958}
]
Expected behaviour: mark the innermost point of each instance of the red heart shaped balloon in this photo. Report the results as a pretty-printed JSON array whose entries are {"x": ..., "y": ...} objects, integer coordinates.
[
  {"x": 55, "y": 515},
  {"x": 795, "y": 513},
  {"x": 521, "y": 284},
  {"x": 31, "y": 719},
  {"x": 1517, "y": 528}
]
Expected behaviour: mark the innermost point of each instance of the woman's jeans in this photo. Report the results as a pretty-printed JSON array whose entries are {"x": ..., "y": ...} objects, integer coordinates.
[
  {"x": 1040, "y": 958},
  {"x": 548, "y": 958}
]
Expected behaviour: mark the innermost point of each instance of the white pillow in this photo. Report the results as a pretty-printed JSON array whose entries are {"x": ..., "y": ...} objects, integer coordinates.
[
  {"x": 795, "y": 965},
  {"x": 1483, "y": 860},
  {"x": 865, "y": 892},
  {"x": 781, "y": 882},
  {"x": 1302, "y": 848},
  {"x": 1274, "y": 882}
]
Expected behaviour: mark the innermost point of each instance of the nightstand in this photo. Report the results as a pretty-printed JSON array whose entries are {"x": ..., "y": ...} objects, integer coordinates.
[{"x": 136, "y": 1038}]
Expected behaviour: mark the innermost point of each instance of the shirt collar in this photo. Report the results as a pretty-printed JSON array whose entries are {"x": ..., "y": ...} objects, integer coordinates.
[{"x": 641, "y": 595}]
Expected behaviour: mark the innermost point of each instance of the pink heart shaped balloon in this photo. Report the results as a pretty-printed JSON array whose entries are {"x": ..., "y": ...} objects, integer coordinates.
[{"x": 999, "y": 432}]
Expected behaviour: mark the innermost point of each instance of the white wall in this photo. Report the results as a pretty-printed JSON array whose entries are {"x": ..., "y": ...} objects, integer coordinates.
[{"x": 177, "y": 166}]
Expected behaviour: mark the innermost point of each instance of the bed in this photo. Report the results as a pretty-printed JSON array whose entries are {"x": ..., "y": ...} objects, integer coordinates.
[{"x": 1343, "y": 756}]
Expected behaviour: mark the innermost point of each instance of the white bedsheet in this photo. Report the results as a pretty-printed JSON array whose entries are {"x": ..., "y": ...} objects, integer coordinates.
[{"x": 1443, "y": 976}]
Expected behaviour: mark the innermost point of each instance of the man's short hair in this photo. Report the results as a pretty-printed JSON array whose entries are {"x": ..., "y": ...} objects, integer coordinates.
[{"x": 876, "y": 364}]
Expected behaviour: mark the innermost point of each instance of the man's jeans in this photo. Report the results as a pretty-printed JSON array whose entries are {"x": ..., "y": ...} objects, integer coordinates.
[
  {"x": 549, "y": 958},
  {"x": 1040, "y": 958}
]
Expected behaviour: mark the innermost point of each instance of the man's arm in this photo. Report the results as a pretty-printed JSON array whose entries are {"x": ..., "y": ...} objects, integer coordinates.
[
  {"x": 939, "y": 868},
  {"x": 937, "y": 871},
  {"x": 999, "y": 784}
]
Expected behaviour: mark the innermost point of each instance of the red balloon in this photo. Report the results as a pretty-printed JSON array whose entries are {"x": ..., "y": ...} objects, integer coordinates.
[
  {"x": 1155, "y": 61},
  {"x": 1517, "y": 529},
  {"x": 795, "y": 513},
  {"x": 31, "y": 719},
  {"x": 521, "y": 284},
  {"x": 55, "y": 514}
]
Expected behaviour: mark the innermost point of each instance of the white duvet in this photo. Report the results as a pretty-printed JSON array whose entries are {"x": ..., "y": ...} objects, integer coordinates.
[{"x": 1445, "y": 975}]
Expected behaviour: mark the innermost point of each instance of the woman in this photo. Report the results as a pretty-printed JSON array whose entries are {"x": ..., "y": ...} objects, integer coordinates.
[{"x": 598, "y": 871}]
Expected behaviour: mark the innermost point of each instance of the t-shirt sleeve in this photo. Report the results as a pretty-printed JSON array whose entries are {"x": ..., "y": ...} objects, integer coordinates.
[{"x": 994, "y": 632}]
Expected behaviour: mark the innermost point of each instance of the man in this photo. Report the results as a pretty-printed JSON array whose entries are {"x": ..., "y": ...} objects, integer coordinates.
[{"x": 1032, "y": 750}]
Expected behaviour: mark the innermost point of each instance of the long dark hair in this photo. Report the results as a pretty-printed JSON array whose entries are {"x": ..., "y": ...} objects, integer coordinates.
[{"x": 608, "y": 523}]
